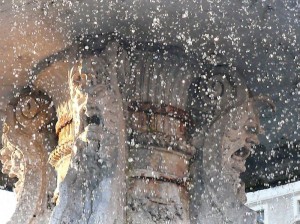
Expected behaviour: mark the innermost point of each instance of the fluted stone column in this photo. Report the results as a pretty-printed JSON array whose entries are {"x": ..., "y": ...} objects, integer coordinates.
[{"x": 158, "y": 164}]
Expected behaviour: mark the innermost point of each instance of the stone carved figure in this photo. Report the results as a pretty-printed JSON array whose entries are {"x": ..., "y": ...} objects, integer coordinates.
[
  {"x": 27, "y": 139},
  {"x": 93, "y": 189},
  {"x": 159, "y": 152},
  {"x": 229, "y": 129},
  {"x": 223, "y": 196}
]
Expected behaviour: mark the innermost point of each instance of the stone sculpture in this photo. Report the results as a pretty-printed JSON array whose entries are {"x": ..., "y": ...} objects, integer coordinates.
[
  {"x": 145, "y": 134},
  {"x": 95, "y": 182},
  {"x": 224, "y": 139},
  {"x": 27, "y": 139}
]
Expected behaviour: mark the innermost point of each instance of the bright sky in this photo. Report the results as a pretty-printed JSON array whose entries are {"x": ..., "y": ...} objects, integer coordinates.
[{"x": 7, "y": 205}]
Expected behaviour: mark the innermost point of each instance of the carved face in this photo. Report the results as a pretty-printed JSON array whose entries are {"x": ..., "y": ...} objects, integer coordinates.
[
  {"x": 92, "y": 94},
  {"x": 237, "y": 143}
]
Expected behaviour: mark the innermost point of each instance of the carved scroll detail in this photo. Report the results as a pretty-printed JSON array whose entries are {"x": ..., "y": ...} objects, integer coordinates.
[
  {"x": 214, "y": 94},
  {"x": 27, "y": 139}
]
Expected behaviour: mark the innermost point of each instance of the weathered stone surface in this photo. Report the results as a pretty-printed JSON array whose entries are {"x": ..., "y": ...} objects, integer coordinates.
[
  {"x": 258, "y": 38},
  {"x": 146, "y": 134},
  {"x": 156, "y": 201},
  {"x": 224, "y": 138},
  {"x": 26, "y": 140},
  {"x": 93, "y": 190},
  {"x": 167, "y": 46}
]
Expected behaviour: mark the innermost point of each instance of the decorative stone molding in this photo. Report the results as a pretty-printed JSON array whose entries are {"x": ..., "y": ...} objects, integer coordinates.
[
  {"x": 27, "y": 138},
  {"x": 171, "y": 143}
]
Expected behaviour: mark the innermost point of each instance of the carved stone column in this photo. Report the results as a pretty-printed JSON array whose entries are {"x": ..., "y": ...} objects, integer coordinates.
[
  {"x": 27, "y": 139},
  {"x": 159, "y": 151},
  {"x": 159, "y": 165}
]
